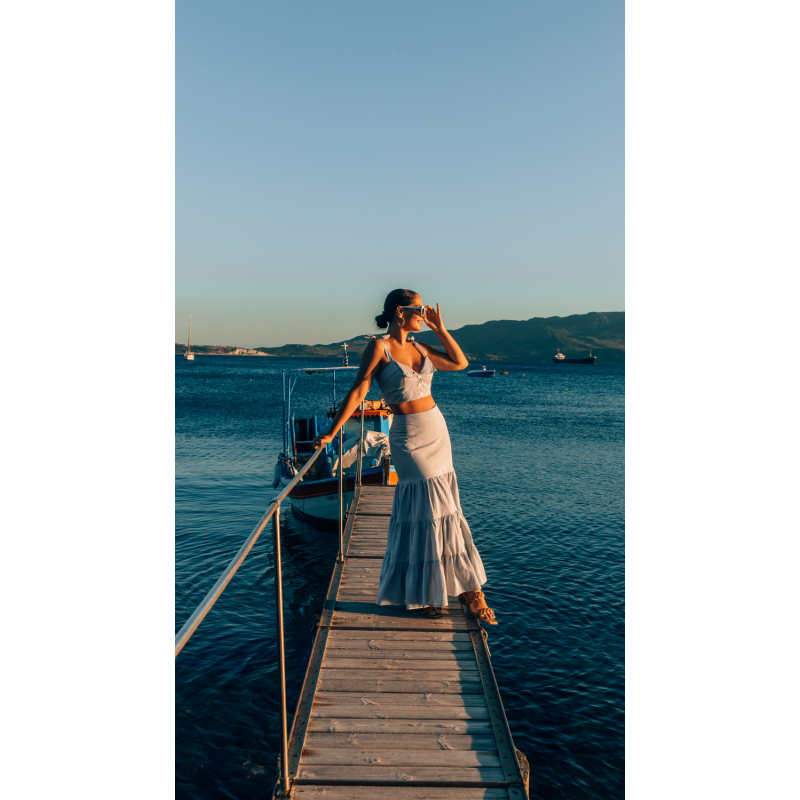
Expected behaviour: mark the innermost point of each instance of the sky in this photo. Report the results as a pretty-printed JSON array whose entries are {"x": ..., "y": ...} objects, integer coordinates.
[{"x": 329, "y": 152}]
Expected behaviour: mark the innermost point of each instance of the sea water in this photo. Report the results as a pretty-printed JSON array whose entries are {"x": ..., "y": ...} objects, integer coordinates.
[{"x": 539, "y": 456}]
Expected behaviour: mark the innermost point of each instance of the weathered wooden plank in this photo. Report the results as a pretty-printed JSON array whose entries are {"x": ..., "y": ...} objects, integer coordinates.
[
  {"x": 402, "y": 636},
  {"x": 451, "y": 727},
  {"x": 359, "y": 622},
  {"x": 376, "y": 538},
  {"x": 397, "y": 614},
  {"x": 408, "y": 699},
  {"x": 399, "y": 664},
  {"x": 316, "y": 792},
  {"x": 375, "y": 645},
  {"x": 399, "y": 712},
  {"x": 403, "y": 775},
  {"x": 342, "y": 757},
  {"x": 381, "y": 622},
  {"x": 352, "y": 595},
  {"x": 360, "y": 583},
  {"x": 453, "y": 610},
  {"x": 379, "y": 526},
  {"x": 367, "y": 548},
  {"x": 353, "y": 570},
  {"x": 386, "y": 685},
  {"x": 400, "y": 741},
  {"x": 361, "y": 580},
  {"x": 399, "y": 674},
  {"x": 366, "y": 654}
]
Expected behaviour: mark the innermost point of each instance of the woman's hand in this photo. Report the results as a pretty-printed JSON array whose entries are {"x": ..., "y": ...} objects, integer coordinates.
[
  {"x": 433, "y": 319},
  {"x": 321, "y": 441}
]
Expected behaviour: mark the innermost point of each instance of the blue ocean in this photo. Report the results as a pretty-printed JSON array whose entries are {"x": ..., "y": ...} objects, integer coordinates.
[{"x": 539, "y": 455}]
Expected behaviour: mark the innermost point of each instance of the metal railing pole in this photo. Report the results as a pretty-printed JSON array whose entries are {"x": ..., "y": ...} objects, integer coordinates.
[
  {"x": 360, "y": 446},
  {"x": 281, "y": 653},
  {"x": 340, "y": 558},
  {"x": 197, "y": 616}
]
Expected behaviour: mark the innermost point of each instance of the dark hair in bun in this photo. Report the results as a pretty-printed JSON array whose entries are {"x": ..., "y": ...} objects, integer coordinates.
[{"x": 397, "y": 297}]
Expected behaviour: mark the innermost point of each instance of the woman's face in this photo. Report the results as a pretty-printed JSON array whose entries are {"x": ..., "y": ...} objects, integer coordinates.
[{"x": 412, "y": 321}]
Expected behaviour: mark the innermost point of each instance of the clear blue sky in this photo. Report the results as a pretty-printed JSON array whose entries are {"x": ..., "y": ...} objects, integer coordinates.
[{"x": 327, "y": 152}]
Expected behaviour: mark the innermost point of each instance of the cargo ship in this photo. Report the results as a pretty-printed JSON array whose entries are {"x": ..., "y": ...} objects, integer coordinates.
[{"x": 560, "y": 358}]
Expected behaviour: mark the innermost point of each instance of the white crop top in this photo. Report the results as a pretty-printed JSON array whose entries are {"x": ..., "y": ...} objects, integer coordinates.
[{"x": 399, "y": 383}]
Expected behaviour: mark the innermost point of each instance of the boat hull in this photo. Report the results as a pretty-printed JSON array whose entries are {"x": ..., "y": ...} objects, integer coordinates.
[
  {"x": 587, "y": 360},
  {"x": 318, "y": 501}
]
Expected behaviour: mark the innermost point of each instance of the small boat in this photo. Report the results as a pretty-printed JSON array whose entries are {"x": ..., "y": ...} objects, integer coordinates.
[
  {"x": 481, "y": 373},
  {"x": 189, "y": 355},
  {"x": 315, "y": 497},
  {"x": 504, "y": 373},
  {"x": 560, "y": 358}
]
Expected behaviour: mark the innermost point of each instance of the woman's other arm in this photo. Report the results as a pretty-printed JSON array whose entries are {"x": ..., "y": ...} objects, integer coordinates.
[
  {"x": 451, "y": 361},
  {"x": 367, "y": 370}
]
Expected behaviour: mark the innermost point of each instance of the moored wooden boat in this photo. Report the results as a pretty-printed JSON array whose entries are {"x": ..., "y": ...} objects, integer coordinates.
[{"x": 316, "y": 497}]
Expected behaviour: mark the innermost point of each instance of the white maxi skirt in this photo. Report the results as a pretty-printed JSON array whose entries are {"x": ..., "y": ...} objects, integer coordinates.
[{"x": 429, "y": 553}]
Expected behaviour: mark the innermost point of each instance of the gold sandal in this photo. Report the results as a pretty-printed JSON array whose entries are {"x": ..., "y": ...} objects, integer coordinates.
[{"x": 483, "y": 614}]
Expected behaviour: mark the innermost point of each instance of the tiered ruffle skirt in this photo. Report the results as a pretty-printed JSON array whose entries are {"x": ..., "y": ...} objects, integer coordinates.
[{"x": 430, "y": 554}]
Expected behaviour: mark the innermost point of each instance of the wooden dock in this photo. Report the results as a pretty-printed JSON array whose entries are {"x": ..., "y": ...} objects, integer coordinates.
[{"x": 395, "y": 705}]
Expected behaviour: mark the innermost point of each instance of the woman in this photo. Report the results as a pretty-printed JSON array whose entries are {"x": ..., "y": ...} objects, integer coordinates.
[{"x": 429, "y": 553}]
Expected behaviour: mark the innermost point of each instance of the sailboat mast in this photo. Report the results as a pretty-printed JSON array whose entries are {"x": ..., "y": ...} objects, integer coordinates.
[{"x": 189, "y": 346}]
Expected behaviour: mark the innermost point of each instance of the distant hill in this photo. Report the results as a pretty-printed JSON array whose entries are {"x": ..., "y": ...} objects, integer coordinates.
[
  {"x": 537, "y": 339},
  {"x": 208, "y": 349},
  {"x": 505, "y": 340}
]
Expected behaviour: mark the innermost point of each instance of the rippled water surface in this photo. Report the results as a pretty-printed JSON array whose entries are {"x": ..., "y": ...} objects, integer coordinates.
[{"x": 539, "y": 459}]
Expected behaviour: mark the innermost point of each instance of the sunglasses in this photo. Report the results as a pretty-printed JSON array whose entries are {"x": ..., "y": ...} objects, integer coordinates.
[{"x": 418, "y": 309}]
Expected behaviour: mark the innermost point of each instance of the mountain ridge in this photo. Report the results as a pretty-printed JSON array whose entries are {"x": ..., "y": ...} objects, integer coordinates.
[{"x": 535, "y": 339}]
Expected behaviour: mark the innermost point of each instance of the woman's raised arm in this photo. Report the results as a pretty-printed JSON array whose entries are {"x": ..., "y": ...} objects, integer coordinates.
[
  {"x": 367, "y": 370},
  {"x": 451, "y": 361}
]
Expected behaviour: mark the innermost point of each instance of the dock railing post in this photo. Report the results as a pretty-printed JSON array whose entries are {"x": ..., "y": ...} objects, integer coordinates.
[
  {"x": 340, "y": 558},
  {"x": 284, "y": 776},
  {"x": 361, "y": 447}
]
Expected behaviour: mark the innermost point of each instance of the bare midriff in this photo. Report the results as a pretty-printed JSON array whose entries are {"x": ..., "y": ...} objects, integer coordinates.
[{"x": 413, "y": 406}]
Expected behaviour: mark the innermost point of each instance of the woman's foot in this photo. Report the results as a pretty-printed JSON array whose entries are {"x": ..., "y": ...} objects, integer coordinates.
[
  {"x": 431, "y": 612},
  {"x": 476, "y": 603}
]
